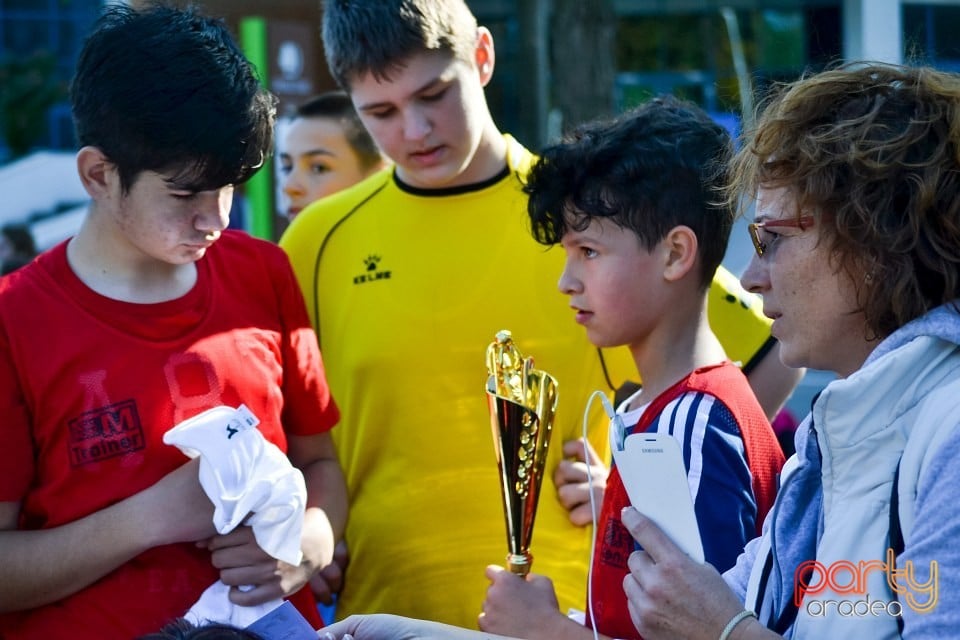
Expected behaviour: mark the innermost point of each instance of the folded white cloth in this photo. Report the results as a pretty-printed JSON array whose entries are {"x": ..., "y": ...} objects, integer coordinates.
[
  {"x": 215, "y": 606},
  {"x": 250, "y": 481}
]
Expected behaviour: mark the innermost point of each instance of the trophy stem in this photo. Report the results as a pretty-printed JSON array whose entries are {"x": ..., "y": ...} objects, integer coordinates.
[{"x": 519, "y": 564}]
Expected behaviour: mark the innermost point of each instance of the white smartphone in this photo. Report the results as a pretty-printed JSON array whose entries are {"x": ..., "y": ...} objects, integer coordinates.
[{"x": 651, "y": 467}]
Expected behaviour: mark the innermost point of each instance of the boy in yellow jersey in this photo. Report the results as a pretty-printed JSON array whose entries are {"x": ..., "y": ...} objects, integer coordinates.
[{"x": 408, "y": 276}]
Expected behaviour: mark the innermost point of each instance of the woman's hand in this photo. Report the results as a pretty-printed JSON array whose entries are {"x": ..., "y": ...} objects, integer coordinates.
[{"x": 669, "y": 595}]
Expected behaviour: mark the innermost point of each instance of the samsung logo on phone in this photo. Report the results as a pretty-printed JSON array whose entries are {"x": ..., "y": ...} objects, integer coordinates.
[{"x": 652, "y": 450}]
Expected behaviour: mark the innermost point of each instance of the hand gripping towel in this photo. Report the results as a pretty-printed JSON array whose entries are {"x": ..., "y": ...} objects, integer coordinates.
[{"x": 250, "y": 481}]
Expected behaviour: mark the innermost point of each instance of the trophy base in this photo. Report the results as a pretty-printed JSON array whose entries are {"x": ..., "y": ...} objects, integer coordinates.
[{"x": 519, "y": 564}]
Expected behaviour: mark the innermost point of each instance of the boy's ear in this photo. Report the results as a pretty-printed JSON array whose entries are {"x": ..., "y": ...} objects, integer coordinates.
[
  {"x": 484, "y": 55},
  {"x": 97, "y": 173},
  {"x": 681, "y": 246}
]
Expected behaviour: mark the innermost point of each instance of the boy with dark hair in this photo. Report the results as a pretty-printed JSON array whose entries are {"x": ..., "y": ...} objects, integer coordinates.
[
  {"x": 325, "y": 149},
  {"x": 150, "y": 315},
  {"x": 631, "y": 201},
  {"x": 433, "y": 257}
]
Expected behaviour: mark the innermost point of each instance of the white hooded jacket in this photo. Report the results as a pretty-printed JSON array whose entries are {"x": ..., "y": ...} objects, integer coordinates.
[{"x": 832, "y": 517}]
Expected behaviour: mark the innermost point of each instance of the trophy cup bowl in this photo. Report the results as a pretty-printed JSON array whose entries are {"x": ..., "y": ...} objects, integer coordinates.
[{"x": 522, "y": 403}]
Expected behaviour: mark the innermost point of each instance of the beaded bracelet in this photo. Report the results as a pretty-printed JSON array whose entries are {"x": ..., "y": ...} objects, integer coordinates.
[{"x": 734, "y": 621}]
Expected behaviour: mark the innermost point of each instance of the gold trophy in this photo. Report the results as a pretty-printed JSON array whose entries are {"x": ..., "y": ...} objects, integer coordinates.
[{"x": 522, "y": 402}]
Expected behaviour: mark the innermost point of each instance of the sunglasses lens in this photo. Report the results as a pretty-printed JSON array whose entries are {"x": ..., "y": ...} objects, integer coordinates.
[{"x": 758, "y": 244}]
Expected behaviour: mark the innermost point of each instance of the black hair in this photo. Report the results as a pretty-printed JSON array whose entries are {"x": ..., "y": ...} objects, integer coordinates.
[
  {"x": 650, "y": 169},
  {"x": 168, "y": 90},
  {"x": 183, "y": 629}
]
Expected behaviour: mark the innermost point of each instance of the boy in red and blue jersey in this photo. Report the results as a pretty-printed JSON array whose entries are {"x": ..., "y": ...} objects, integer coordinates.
[{"x": 635, "y": 204}]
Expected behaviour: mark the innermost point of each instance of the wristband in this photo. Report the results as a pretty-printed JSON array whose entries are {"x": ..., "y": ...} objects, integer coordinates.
[{"x": 734, "y": 621}]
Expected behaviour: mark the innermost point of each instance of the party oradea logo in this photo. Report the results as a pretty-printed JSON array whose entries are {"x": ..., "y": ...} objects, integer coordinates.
[{"x": 847, "y": 580}]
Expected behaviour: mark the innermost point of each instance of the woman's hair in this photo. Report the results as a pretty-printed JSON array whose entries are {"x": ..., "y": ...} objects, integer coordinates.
[{"x": 871, "y": 150}]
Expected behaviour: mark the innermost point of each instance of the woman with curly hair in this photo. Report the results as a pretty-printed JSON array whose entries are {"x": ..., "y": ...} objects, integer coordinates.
[{"x": 855, "y": 173}]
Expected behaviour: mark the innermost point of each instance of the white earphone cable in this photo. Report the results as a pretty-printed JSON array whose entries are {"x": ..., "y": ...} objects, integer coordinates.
[{"x": 608, "y": 408}]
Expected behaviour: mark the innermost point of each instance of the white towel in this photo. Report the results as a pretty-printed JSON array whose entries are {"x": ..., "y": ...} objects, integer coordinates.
[{"x": 250, "y": 481}]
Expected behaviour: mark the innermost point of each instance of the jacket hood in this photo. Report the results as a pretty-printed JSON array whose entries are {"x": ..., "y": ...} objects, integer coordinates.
[
  {"x": 799, "y": 525},
  {"x": 942, "y": 322}
]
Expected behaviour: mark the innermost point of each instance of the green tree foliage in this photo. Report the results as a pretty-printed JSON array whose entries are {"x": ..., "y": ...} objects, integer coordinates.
[{"x": 30, "y": 88}]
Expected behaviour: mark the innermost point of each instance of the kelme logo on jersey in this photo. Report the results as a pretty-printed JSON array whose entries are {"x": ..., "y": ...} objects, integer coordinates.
[{"x": 372, "y": 271}]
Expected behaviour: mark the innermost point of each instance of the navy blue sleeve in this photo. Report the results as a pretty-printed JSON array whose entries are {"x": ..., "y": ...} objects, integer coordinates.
[{"x": 717, "y": 473}]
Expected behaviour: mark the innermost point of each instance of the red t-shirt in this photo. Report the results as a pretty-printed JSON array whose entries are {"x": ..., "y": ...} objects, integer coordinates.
[{"x": 88, "y": 386}]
